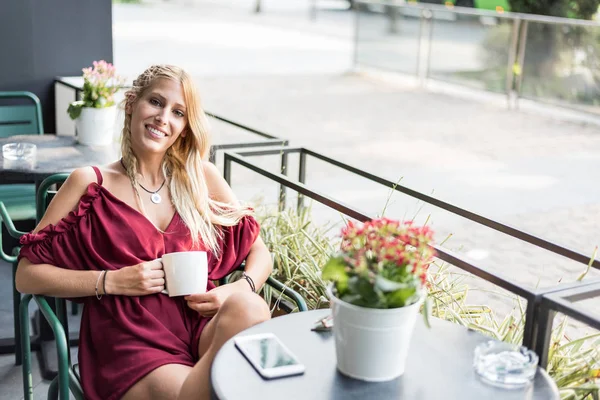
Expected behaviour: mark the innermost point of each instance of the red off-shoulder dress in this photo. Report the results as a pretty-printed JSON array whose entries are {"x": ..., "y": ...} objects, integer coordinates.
[{"x": 123, "y": 338}]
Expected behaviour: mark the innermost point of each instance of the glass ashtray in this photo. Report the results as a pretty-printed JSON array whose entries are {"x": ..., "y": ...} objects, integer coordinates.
[
  {"x": 19, "y": 151},
  {"x": 505, "y": 365},
  {"x": 19, "y": 155}
]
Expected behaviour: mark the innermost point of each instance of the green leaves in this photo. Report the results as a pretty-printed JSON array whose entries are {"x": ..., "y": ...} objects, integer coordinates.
[
  {"x": 364, "y": 290},
  {"x": 74, "y": 109},
  {"x": 400, "y": 297},
  {"x": 300, "y": 249},
  {"x": 335, "y": 270},
  {"x": 363, "y": 293}
]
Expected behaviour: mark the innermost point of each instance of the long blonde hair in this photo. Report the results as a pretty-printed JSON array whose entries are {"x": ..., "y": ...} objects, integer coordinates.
[{"x": 182, "y": 163}]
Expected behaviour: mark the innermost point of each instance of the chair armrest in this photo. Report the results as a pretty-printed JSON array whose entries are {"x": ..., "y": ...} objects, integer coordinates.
[
  {"x": 289, "y": 292},
  {"x": 10, "y": 226},
  {"x": 274, "y": 283},
  {"x": 52, "y": 319},
  {"x": 42, "y": 194},
  {"x": 12, "y": 231},
  {"x": 239, "y": 268},
  {"x": 62, "y": 347}
]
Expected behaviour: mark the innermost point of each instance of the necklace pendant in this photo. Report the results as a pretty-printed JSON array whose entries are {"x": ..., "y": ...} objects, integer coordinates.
[{"x": 156, "y": 199}]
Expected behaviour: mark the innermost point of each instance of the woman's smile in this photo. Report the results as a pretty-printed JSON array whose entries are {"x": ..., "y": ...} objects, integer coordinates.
[{"x": 155, "y": 132}]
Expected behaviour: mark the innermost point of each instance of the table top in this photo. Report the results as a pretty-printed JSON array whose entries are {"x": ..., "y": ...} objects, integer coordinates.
[
  {"x": 439, "y": 366},
  {"x": 55, "y": 154}
]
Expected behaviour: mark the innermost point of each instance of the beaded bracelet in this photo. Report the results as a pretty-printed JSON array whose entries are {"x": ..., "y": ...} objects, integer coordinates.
[
  {"x": 250, "y": 281},
  {"x": 99, "y": 296}
]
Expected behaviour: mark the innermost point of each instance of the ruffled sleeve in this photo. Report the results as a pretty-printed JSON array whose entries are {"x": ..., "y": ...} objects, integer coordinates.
[
  {"x": 235, "y": 246},
  {"x": 36, "y": 249},
  {"x": 47, "y": 245}
]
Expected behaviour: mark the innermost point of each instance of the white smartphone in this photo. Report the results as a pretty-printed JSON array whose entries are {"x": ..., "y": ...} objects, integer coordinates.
[{"x": 269, "y": 357}]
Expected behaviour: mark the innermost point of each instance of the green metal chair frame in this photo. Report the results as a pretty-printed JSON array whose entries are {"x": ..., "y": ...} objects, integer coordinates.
[
  {"x": 12, "y": 259},
  {"x": 20, "y": 120},
  {"x": 23, "y": 120},
  {"x": 68, "y": 376}
]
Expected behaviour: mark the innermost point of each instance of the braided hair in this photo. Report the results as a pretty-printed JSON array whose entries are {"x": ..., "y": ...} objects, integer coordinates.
[{"x": 182, "y": 164}]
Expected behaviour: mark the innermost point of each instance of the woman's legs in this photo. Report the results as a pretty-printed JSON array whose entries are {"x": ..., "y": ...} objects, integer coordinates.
[
  {"x": 164, "y": 383},
  {"x": 240, "y": 311}
]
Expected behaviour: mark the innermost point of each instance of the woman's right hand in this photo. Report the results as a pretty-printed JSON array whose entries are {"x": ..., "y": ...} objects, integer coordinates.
[{"x": 137, "y": 280}]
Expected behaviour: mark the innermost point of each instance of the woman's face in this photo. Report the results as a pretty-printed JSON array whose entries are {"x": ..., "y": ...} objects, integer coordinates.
[{"x": 158, "y": 117}]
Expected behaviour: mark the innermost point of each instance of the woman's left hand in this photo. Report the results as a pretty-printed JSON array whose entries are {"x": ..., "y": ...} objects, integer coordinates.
[{"x": 207, "y": 304}]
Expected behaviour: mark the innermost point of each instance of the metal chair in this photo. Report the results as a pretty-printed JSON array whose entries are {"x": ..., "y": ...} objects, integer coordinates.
[
  {"x": 67, "y": 379},
  {"x": 38, "y": 212}
]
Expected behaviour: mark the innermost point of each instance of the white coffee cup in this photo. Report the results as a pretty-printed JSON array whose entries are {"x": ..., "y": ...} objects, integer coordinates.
[{"x": 186, "y": 273}]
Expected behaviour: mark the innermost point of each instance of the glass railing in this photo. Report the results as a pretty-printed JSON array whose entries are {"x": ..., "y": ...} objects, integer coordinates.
[
  {"x": 388, "y": 42},
  {"x": 470, "y": 50},
  {"x": 547, "y": 59},
  {"x": 562, "y": 65}
]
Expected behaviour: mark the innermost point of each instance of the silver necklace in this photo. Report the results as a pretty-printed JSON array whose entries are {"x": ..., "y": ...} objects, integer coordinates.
[{"x": 154, "y": 196}]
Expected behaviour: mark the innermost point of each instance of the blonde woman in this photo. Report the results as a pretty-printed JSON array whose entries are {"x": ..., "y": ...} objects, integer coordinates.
[{"x": 101, "y": 236}]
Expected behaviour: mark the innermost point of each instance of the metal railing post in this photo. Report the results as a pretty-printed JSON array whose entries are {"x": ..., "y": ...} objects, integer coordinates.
[
  {"x": 392, "y": 12},
  {"x": 521, "y": 60},
  {"x": 425, "y": 38},
  {"x": 301, "y": 178},
  {"x": 282, "y": 189},
  {"x": 420, "y": 46},
  {"x": 512, "y": 57},
  {"x": 357, "y": 8},
  {"x": 227, "y": 168},
  {"x": 543, "y": 337},
  {"x": 313, "y": 10},
  {"x": 530, "y": 328}
]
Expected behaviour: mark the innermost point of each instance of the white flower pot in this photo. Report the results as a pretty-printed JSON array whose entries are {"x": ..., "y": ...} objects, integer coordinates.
[
  {"x": 372, "y": 344},
  {"x": 96, "y": 126}
]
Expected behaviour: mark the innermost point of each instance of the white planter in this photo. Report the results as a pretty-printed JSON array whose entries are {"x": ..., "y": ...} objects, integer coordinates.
[
  {"x": 96, "y": 126},
  {"x": 372, "y": 344}
]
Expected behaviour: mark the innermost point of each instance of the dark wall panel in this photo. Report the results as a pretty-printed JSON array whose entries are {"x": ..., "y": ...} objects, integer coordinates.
[{"x": 42, "y": 39}]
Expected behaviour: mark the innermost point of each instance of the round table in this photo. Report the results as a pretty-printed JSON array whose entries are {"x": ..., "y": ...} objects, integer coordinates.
[
  {"x": 439, "y": 366},
  {"x": 55, "y": 154}
]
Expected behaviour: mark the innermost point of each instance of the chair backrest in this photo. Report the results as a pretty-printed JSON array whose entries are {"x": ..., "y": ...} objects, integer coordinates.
[
  {"x": 45, "y": 194},
  {"x": 22, "y": 119}
]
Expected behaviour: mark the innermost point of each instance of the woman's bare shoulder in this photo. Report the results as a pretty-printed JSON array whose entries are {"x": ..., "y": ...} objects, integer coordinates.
[
  {"x": 79, "y": 180},
  {"x": 68, "y": 196}
]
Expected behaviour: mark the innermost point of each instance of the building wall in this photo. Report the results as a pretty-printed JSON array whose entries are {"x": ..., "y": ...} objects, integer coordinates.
[{"x": 42, "y": 39}]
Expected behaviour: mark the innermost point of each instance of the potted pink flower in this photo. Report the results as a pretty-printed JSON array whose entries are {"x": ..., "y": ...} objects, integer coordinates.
[
  {"x": 95, "y": 114},
  {"x": 379, "y": 284}
]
